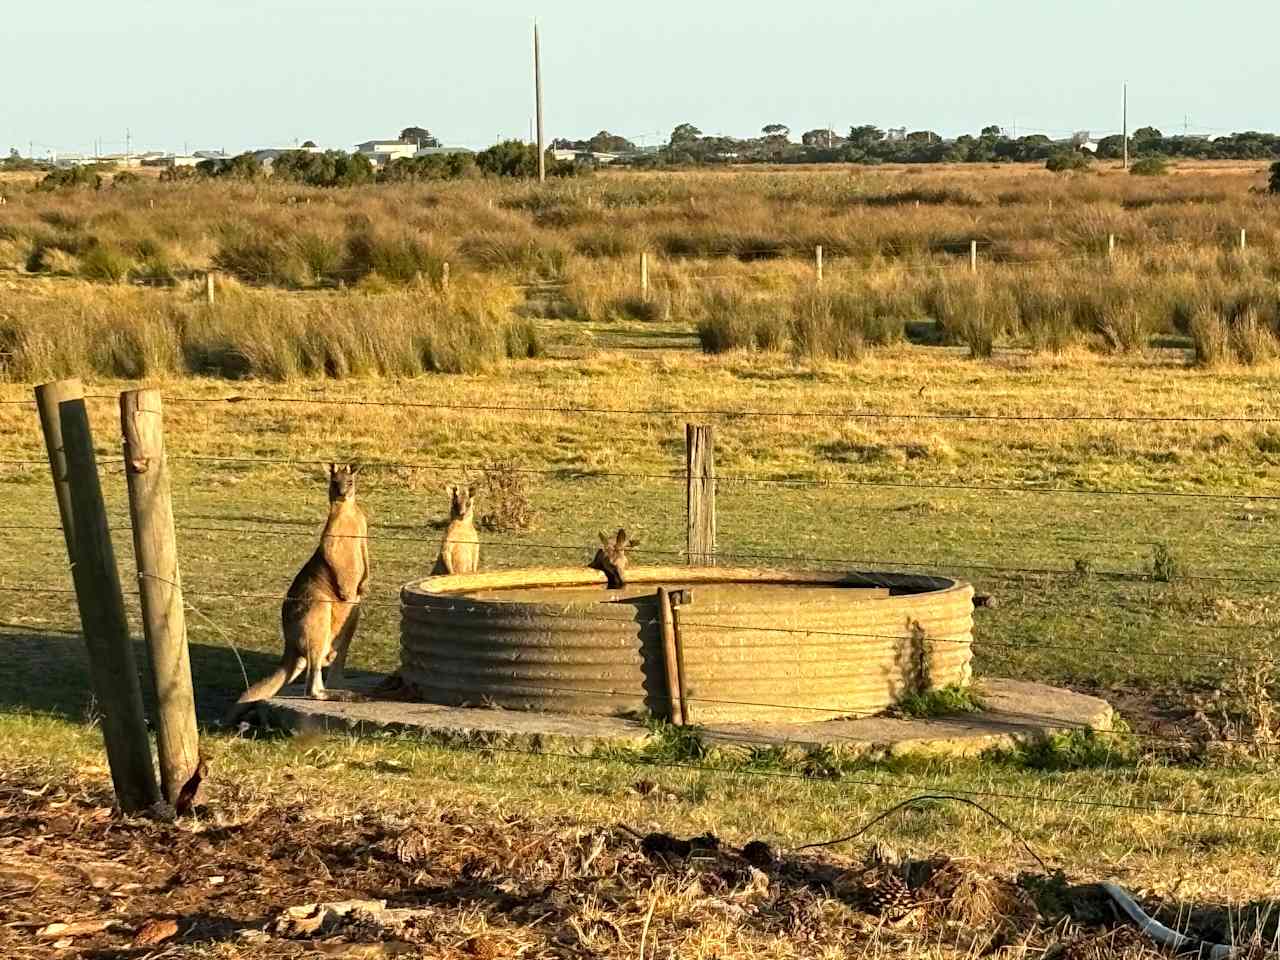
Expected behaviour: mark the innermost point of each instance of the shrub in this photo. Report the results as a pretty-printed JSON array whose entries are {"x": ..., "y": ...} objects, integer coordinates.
[
  {"x": 512, "y": 158},
  {"x": 126, "y": 178},
  {"x": 732, "y": 321},
  {"x": 105, "y": 263},
  {"x": 505, "y": 497},
  {"x": 1275, "y": 178},
  {"x": 178, "y": 174},
  {"x": 71, "y": 178},
  {"x": 1150, "y": 167},
  {"x": 1166, "y": 566},
  {"x": 1068, "y": 161},
  {"x": 399, "y": 259},
  {"x": 1210, "y": 338},
  {"x": 1252, "y": 340}
]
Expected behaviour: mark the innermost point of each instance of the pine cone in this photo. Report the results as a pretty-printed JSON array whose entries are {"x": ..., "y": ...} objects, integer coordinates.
[{"x": 889, "y": 896}]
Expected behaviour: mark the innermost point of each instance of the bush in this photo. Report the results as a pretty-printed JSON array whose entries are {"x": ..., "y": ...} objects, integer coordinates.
[
  {"x": 512, "y": 158},
  {"x": 126, "y": 178},
  {"x": 1275, "y": 177},
  {"x": 333, "y": 168},
  {"x": 105, "y": 263},
  {"x": 734, "y": 322},
  {"x": 71, "y": 178},
  {"x": 178, "y": 174},
  {"x": 1068, "y": 161},
  {"x": 1150, "y": 167},
  {"x": 504, "y": 492}
]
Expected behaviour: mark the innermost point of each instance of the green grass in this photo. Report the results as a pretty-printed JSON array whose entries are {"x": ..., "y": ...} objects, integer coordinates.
[
  {"x": 244, "y": 528},
  {"x": 946, "y": 702}
]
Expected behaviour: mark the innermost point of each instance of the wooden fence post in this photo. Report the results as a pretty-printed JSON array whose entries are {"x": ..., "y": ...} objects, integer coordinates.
[
  {"x": 208, "y": 288},
  {"x": 1244, "y": 239},
  {"x": 973, "y": 256},
  {"x": 164, "y": 621},
  {"x": 818, "y": 261},
  {"x": 700, "y": 474},
  {"x": 65, "y": 422},
  {"x": 1111, "y": 245},
  {"x": 644, "y": 276},
  {"x": 444, "y": 276}
]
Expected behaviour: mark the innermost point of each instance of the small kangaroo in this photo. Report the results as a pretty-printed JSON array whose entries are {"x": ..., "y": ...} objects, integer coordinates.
[
  {"x": 612, "y": 558},
  {"x": 322, "y": 608},
  {"x": 460, "y": 549}
]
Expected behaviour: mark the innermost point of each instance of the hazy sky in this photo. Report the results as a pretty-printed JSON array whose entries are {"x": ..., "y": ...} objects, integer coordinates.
[{"x": 257, "y": 73}]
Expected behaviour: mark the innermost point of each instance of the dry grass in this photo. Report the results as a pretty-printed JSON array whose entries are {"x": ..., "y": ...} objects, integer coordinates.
[
  {"x": 897, "y": 241},
  {"x": 127, "y": 332}
]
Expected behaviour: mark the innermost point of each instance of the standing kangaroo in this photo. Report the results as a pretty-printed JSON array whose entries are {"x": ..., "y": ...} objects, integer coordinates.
[
  {"x": 460, "y": 549},
  {"x": 612, "y": 560},
  {"x": 322, "y": 608}
]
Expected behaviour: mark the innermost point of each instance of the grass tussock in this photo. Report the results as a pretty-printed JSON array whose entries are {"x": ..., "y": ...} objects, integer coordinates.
[{"x": 251, "y": 333}]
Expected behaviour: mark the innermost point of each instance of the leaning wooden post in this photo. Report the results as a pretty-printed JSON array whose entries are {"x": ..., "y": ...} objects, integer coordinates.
[
  {"x": 97, "y": 582},
  {"x": 1111, "y": 245},
  {"x": 208, "y": 288},
  {"x": 644, "y": 276},
  {"x": 164, "y": 622},
  {"x": 1244, "y": 239},
  {"x": 444, "y": 276},
  {"x": 973, "y": 256},
  {"x": 817, "y": 254},
  {"x": 700, "y": 473}
]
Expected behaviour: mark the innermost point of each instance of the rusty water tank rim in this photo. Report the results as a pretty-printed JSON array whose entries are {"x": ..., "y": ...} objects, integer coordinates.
[{"x": 431, "y": 591}]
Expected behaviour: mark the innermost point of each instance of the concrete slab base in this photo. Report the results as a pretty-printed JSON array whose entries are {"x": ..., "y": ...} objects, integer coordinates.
[{"x": 1017, "y": 713}]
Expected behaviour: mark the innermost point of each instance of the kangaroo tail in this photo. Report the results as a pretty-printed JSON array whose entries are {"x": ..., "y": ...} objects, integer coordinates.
[{"x": 266, "y": 688}]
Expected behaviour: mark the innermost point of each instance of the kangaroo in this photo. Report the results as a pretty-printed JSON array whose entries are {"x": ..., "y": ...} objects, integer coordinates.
[
  {"x": 322, "y": 608},
  {"x": 612, "y": 558},
  {"x": 460, "y": 549}
]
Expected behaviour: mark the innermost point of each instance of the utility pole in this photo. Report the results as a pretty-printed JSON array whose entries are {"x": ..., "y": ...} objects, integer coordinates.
[
  {"x": 128, "y": 144},
  {"x": 1126, "y": 126},
  {"x": 537, "y": 82}
]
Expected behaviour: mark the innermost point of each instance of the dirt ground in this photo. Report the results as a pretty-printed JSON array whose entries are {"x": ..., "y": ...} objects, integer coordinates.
[{"x": 243, "y": 880}]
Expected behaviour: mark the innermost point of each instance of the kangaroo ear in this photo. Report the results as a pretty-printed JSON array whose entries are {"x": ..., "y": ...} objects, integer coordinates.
[
  {"x": 471, "y": 492},
  {"x": 333, "y": 469},
  {"x": 604, "y": 539},
  {"x": 355, "y": 468},
  {"x": 450, "y": 489},
  {"x": 621, "y": 539}
]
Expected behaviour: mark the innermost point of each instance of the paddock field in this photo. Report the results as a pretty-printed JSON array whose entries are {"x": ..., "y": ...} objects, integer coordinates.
[{"x": 1113, "y": 484}]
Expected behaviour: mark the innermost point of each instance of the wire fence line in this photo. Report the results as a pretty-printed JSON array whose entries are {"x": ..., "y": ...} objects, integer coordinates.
[
  {"x": 848, "y": 563},
  {"x": 723, "y": 412}
]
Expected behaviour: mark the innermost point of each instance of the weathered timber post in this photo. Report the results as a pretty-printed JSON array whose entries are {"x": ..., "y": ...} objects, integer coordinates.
[
  {"x": 670, "y": 662},
  {"x": 973, "y": 256},
  {"x": 700, "y": 475},
  {"x": 208, "y": 288},
  {"x": 818, "y": 263},
  {"x": 1111, "y": 245},
  {"x": 155, "y": 552},
  {"x": 644, "y": 276},
  {"x": 444, "y": 276},
  {"x": 65, "y": 422}
]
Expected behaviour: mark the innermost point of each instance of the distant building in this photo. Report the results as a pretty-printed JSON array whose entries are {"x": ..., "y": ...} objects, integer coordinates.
[
  {"x": 441, "y": 151},
  {"x": 584, "y": 156},
  {"x": 381, "y": 151},
  {"x": 179, "y": 161}
]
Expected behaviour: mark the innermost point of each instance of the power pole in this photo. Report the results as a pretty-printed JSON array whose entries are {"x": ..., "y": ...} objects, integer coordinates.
[
  {"x": 1126, "y": 126},
  {"x": 537, "y": 82}
]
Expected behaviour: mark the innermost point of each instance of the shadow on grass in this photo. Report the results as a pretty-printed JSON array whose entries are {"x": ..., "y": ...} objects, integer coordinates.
[{"x": 48, "y": 672}]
